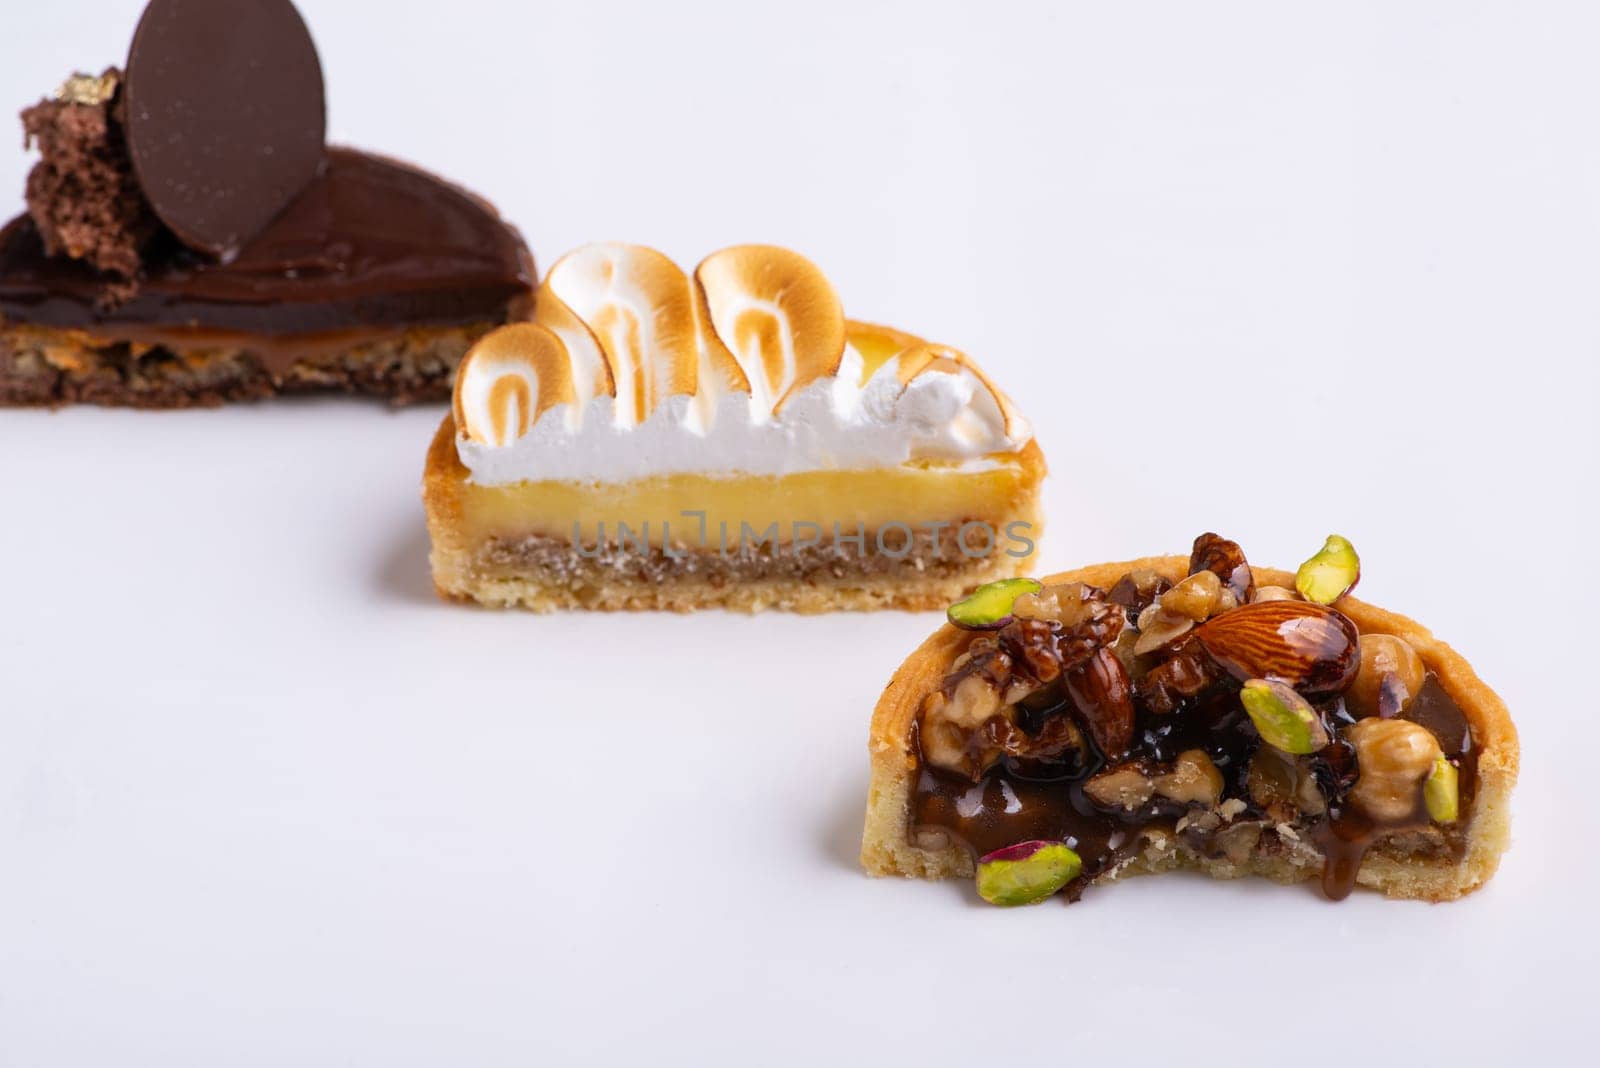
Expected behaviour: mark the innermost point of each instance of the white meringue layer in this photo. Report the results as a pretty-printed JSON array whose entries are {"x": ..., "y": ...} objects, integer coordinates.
[{"x": 940, "y": 415}]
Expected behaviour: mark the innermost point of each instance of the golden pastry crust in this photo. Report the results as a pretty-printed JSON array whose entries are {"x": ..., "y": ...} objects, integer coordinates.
[
  {"x": 887, "y": 849},
  {"x": 459, "y": 574}
]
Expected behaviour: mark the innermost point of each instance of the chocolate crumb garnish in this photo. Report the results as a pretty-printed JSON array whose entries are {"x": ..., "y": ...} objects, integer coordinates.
[
  {"x": 82, "y": 195},
  {"x": 1060, "y": 729}
]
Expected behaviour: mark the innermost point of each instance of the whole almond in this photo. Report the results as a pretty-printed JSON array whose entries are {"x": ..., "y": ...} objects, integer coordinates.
[{"x": 1310, "y": 647}]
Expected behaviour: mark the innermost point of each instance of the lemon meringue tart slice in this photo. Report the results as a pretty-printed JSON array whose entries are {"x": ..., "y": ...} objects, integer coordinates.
[
  {"x": 1192, "y": 713},
  {"x": 656, "y": 439}
]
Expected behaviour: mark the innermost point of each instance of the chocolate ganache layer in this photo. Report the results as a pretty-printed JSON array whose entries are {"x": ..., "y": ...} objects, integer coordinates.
[{"x": 371, "y": 244}]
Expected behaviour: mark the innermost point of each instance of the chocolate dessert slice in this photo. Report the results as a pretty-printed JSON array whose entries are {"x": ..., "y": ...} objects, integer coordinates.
[
  {"x": 189, "y": 239},
  {"x": 1191, "y": 713}
]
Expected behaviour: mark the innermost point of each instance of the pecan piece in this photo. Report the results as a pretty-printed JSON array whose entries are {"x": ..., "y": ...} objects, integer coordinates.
[
  {"x": 1225, "y": 559},
  {"x": 1102, "y": 702},
  {"x": 1187, "y": 672},
  {"x": 1031, "y": 644},
  {"x": 1097, "y": 626}
]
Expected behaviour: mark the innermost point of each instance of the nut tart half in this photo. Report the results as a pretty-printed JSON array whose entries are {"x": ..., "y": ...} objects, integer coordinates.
[
  {"x": 1192, "y": 713},
  {"x": 663, "y": 439}
]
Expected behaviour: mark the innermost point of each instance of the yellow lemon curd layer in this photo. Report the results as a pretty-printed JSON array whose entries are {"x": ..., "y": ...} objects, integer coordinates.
[
  {"x": 462, "y": 513},
  {"x": 686, "y": 505}
]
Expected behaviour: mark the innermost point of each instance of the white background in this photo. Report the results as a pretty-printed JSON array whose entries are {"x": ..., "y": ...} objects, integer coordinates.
[{"x": 1265, "y": 269}]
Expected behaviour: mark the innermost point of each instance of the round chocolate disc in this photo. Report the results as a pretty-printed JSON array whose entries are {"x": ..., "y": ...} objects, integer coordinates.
[{"x": 225, "y": 115}]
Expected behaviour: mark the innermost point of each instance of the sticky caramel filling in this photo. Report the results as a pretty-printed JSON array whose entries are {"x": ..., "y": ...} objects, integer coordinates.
[{"x": 1052, "y": 729}]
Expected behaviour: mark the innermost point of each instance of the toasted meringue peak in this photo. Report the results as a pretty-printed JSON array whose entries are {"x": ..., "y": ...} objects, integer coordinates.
[
  {"x": 924, "y": 359},
  {"x": 878, "y": 344},
  {"x": 640, "y": 307},
  {"x": 779, "y": 316},
  {"x": 510, "y": 378},
  {"x": 591, "y": 372},
  {"x": 633, "y": 368}
]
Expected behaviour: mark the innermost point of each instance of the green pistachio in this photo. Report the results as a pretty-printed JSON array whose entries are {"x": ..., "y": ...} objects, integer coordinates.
[
  {"x": 1441, "y": 792},
  {"x": 1026, "y": 873},
  {"x": 1284, "y": 719},
  {"x": 1330, "y": 574},
  {"x": 989, "y": 606}
]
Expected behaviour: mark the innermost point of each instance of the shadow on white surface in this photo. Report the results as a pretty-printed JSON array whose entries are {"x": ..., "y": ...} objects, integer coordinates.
[{"x": 403, "y": 573}]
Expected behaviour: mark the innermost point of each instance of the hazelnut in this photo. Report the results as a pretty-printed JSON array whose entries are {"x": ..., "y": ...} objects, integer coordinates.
[
  {"x": 1193, "y": 778},
  {"x": 1394, "y": 756},
  {"x": 1194, "y": 598},
  {"x": 1026, "y": 873},
  {"x": 1383, "y": 655}
]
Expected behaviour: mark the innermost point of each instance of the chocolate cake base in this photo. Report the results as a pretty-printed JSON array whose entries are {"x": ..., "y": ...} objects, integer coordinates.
[{"x": 50, "y": 367}]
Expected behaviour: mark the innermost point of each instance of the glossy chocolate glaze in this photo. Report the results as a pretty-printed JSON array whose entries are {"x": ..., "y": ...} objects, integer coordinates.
[
  {"x": 1022, "y": 801},
  {"x": 371, "y": 246}
]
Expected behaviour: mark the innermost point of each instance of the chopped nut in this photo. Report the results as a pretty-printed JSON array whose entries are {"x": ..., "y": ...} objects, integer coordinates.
[
  {"x": 1384, "y": 656},
  {"x": 1031, "y": 644},
  {"x": 949, "y": 725},
  {"x": 1090, "y": 623},
  {"x": 1282, "y": 785},
  {"x": 1126, "y": 788},
  {"x": 1074, "y": 599},
  {"x": 1275, "y": 593},
  {"x": 1226, "y": 560},
  {"x": 1442, "y": 791},
  {"x": 1041, "y": 605},
  {"x": 1102, "y": 702},
  {"x": 1193, "y": 779},
  {"x": 1331, "y": 573},
  {"x": 1026, "y": 873},
  {"x": 1394, "y": 756},
  {"x": 1186, "y": 672},
  {"x": 989, "y": 606},
  {"x": 1135, "y": 590},
  {"x": 1311, "y": 647},
  {"x": 1194, "y": 598},
  {"x": 1237, "y": 843},
  {"x": 1283, "y": 718},
  {"x": 1157, "y": 628},
  {"x": 1227, "y": 601}
]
